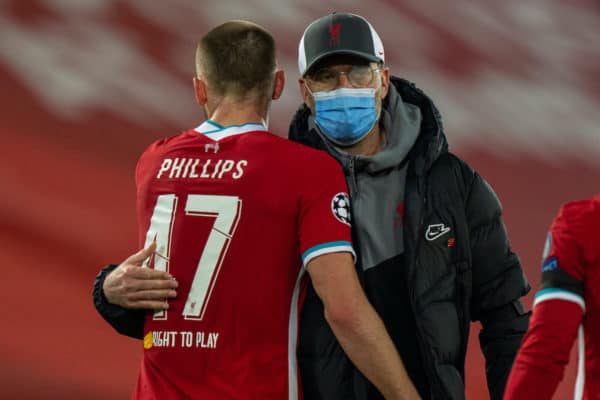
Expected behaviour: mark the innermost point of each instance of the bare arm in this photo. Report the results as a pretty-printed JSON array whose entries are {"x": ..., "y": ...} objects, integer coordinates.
[{"x": 357, "y": 326}]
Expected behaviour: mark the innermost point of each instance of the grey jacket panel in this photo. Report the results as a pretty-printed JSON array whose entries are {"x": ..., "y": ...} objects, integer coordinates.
[{"x": 376, "y": 182}]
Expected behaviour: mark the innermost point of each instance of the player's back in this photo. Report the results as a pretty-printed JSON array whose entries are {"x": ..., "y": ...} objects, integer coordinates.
[{"x": 229, "y": 213}]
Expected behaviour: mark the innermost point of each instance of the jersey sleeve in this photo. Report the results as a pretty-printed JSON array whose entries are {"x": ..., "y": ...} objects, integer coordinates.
[
  {"x": 324, "y": 211},
  {"x": 559, "y": 307},
  {"x": 544, "y": 353},
  {"x": 563, "y": 259}
]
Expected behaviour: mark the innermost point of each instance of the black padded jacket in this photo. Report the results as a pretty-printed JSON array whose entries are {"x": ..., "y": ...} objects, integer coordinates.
[{"x": 475, "y": 278}]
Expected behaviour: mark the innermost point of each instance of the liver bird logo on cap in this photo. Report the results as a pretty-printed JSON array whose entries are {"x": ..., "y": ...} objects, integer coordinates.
[{"x": 334, "y": 34}]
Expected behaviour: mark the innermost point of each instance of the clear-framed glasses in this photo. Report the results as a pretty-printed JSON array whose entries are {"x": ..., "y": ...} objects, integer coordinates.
[{"x": 328, "y": 78}]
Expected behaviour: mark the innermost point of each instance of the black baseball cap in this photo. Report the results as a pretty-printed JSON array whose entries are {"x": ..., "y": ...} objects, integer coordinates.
[{"x": 338, "y": 33}]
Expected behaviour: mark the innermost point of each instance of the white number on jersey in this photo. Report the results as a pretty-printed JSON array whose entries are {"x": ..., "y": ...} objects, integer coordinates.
[{"x": 227, "y": 210}]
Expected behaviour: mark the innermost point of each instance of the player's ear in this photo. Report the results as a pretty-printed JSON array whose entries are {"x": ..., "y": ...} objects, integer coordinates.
[
  {"x": 200, "y": 91},
  {"x": 279, "y": 84}
]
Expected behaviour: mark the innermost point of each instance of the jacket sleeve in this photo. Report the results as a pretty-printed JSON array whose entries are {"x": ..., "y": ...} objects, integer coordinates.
[
  {"x": 126, "y": 322},
  {"x": 498, "y": 283}
]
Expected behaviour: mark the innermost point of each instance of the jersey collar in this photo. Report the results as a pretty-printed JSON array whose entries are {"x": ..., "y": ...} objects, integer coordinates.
[{"x": 217, "y": 132}]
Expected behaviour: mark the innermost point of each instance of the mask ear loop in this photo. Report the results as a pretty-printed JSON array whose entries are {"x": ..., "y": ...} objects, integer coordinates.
[
  {"x": 379, "y": 109},
  {"x": 308, "y": 89},
  {"x": 378, "y": 79},
  {"x": 379, "y": 86}
]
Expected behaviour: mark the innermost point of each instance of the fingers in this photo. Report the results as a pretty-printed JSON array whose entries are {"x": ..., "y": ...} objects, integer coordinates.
[
  {"x": 131, "y": 287},
  {"x": 156, "y": 305},
  {"x": 149, "y": 299},
  {"x": 155, "y": 299},
  {"x": 149, "y": 274},
  {"x": 133, "y": 284},
  {"x": 153, "y": 295},
  {"x": 139, "y": 257}
]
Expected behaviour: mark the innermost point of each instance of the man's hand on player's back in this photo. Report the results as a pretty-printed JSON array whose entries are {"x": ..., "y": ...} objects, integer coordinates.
[{"x": 134, "y": 287}]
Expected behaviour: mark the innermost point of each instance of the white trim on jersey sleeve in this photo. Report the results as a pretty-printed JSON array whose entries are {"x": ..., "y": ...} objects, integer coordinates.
[
  {"x": 326, "y": 248},
  {"x": 558, "y": 294}
]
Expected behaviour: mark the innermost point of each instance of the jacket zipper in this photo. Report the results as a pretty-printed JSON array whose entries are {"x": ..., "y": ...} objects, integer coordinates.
[
  {"x": 427, "y": 359},
  {"x": 353, "y": 181}
]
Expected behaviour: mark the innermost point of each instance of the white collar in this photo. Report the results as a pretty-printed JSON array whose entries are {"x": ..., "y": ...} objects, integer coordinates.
[{"x": 217, "y": 132}]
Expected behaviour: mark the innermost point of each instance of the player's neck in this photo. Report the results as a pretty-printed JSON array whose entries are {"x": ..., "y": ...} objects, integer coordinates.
[{"x": 227, "y": 114}]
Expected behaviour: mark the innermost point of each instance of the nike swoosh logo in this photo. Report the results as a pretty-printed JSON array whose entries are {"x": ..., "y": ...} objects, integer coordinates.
[{"x": 436, "y": 231}]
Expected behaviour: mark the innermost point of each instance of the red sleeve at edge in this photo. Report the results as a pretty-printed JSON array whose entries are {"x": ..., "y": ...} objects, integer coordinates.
[{"x": 544, "y": 353}]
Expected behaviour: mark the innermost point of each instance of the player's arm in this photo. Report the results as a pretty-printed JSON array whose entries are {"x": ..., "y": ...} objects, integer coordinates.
[
  {"x": 559, "y": 307},
  {"x": 123, "y": 294},
  {"x": 357, "y": 326},
  {"x": 541, "y": 361}
]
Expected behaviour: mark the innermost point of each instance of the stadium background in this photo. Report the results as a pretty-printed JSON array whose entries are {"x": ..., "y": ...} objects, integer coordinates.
[{"x": 87, "y": 85}]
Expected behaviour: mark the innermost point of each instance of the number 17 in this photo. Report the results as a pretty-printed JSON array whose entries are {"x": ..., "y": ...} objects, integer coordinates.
[{"x": 227, "y": 210}]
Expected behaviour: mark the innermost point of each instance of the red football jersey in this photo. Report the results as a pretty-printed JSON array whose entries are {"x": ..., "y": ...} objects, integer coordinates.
[
  {"x": 236, "y": 212},
  {"x": 566, "y": 307}
]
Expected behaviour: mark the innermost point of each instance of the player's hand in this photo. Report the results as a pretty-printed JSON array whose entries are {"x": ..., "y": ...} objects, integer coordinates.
[{"x": 133, "y": 287}]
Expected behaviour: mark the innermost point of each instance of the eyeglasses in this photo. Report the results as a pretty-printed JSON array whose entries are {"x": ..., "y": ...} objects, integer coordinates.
[{"x": 328, "y": 78}]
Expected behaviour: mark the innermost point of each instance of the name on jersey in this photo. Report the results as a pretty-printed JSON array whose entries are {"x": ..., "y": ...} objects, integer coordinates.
[
  {"x": 174, "y": 168},
  {"x": 181, "y": 339}
]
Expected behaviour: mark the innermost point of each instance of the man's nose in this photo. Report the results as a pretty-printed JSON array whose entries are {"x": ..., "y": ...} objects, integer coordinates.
[{"x": 343, "y": 80}]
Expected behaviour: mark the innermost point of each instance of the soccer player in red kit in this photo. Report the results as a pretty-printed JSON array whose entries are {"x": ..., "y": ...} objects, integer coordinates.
[
  {"x": 237, "y": 215},
  {"x": 566, "y": 307}
]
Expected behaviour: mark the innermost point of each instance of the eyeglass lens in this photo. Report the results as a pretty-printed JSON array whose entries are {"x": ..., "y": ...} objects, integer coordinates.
[{"x": 358, "y": 75}]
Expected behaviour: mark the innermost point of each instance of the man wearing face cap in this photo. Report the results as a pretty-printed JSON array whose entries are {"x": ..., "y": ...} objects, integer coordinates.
[
  {"x": 433, "y": 253},
  {"x": 432, "y": 248}
]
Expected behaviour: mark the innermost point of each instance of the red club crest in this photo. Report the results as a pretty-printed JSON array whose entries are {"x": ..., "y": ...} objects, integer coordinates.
[
  {"x": 334, "y": 34},
  {"x": 399, "y": 214}
]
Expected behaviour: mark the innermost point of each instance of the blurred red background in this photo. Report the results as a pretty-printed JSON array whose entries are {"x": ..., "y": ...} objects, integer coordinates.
[{"x": 86, "y": 86}]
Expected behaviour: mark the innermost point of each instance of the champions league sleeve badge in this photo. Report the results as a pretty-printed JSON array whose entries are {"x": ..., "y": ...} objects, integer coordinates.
[
  {"x": 340, "y": 206},
  {"x": 547, "y": 246},
  {"x": 549, "y": 263}
]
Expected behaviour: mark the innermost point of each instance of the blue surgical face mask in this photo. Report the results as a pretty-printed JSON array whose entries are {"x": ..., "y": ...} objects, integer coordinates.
[{"x": 346, "y": 115}]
